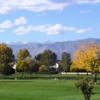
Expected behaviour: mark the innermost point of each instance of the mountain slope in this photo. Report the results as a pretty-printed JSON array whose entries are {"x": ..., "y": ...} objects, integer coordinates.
[{"x": 57, "y": 47}]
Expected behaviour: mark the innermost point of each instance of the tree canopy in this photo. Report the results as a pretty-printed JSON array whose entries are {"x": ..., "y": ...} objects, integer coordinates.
[
  {"x": 6, "y": 59},
  {"x": 23, "y": 54},
  {"x": 66, "y": 61},
  {"x": 87, "y": 56},
  {"x": 22, "y": 66},
  {"x": 47, "y": 58}
]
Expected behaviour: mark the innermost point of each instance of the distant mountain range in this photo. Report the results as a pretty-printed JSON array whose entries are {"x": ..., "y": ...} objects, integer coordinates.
[{"x": 57, "y": 47}]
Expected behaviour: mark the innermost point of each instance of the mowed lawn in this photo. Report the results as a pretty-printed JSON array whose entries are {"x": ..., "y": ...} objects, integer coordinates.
[{"x": 42, "y": 90}]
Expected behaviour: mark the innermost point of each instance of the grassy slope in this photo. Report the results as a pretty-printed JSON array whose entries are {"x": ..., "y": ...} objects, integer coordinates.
[{"x": 42, "y": 90}]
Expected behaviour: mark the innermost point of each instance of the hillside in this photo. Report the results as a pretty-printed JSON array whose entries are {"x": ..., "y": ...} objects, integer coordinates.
[{"x": 57, "y": 47}]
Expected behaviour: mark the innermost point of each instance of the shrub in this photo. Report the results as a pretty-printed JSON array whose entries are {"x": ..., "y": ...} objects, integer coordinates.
[
  {"x": 42, "y": 68},
  {"x": 86, "y": 87}
]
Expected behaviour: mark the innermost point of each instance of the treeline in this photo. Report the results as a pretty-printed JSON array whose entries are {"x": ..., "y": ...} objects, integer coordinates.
[{"x": 86, "y": 58}]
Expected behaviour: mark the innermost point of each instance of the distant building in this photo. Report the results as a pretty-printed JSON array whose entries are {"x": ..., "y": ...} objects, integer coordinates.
[
  {"x": 57, "y": 64},
  {"x": 14, "y": 66}
]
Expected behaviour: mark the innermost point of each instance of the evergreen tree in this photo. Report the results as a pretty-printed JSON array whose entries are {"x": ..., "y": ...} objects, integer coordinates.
[{"x": 66, "y": 61}]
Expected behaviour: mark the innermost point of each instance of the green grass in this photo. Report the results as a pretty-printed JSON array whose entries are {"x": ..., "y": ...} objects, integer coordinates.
[
  {"x": 43, "y": 90},
  {"x": 47, "y": 76}
]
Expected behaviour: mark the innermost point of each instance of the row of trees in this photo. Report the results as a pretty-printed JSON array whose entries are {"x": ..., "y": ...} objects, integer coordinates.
[
  {"x": 86, "y": 58},
  {"x": 42, "y": 62}
]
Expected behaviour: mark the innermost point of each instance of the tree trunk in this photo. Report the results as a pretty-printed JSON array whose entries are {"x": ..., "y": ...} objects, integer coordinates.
[
  {"x": 95, "y": 78},
  {"x": 22, "y": 73},
  {"x": 86, "y": 97},
  {"x": 87, "y": 73},
  {"x": 78, "y": 74}
]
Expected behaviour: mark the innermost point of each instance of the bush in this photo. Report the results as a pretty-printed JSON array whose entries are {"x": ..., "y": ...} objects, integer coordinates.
[
  {"x": 42, "y": 68},
  {"x": 8, "y": 71},
  {"x": 78, "y": 70},
  {"x": 86, "y": 87}
]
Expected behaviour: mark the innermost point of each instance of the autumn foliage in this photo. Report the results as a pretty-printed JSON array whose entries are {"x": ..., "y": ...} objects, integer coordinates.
[{"x": 87, "y": 56}]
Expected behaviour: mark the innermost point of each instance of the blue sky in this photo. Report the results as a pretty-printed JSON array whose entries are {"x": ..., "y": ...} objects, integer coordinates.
[{"x": 49, "y": 20}]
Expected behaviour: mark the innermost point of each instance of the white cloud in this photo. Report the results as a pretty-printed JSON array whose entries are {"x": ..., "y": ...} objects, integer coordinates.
[
  {"x": 87, "y": 1},
  {"x": 6, "y": 24},
  {"x": 50, "y": 29},
  {"x": 77, "y": 1},
  {"x": 32, "y": 5},
  {"x": 39, "y": 5},
  {"x": 4, "y": 9},
  {"x": 9, "y": 24},
  {"x": 20, "y": 21},
  {"x": 83, "y": 30},
  {"x": 21, "y": 30},
  {"x": 55, "y": 29}
]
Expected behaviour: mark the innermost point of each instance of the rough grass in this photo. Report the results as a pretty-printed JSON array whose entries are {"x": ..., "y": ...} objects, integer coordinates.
[
  {"x": 19, "y": 75},
  {"x": 42, "y": 90}
]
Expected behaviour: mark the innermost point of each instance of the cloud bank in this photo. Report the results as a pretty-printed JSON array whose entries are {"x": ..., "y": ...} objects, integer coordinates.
[
  {"x": 77, "y": 1},
  {"x": 32, "y": 5},
  {"x": 50, "y": 29},
  {"x": 7, "y": 6},
  {"x": 20, "y": 21},
  {"x": 9, "y": 24}
]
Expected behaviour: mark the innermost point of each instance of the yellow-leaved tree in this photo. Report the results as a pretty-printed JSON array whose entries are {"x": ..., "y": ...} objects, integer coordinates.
[{"x": 87, "y": 57}]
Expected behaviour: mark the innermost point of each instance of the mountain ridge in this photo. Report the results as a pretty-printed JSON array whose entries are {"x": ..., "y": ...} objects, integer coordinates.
[{"x": 57, "y": 47}]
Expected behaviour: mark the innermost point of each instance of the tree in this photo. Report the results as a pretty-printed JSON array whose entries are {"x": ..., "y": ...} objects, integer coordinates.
[
  {"x": 42, "y": 68},
  {"x": 22, "y": 66},
  {"x": 48, "y": 58},
  {"x": 35, "y": 67},
  {"x": 6, "y": 59},
  {"x": 8, "y": 70},
  {"x": 34, "y": 64},
  {"x": 87, "y": 56},
  {"x": 23, "y": 54},
  {"x": 38, "y": 57},
  {"x": 66, "y": 61},
  {"x": 86, "y": 86}
]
